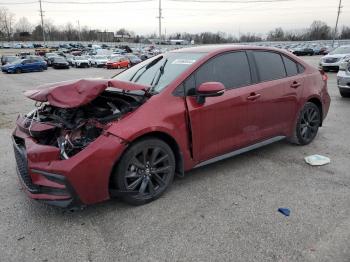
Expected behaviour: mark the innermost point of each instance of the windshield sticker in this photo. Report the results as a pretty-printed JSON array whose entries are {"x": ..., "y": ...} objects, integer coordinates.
[{"x": 183, "y": 62}]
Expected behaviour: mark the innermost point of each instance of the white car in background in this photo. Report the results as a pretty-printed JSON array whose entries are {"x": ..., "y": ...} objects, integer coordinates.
[
  {"x": 332, "y": 61},
  {"x": 343, "y": 77},
  {"x": 99, "y": 60},
  {"x": 81, "y": 61}
]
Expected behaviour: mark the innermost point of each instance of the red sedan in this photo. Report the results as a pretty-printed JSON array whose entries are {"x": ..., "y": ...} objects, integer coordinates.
[{"x": 90, "y": 140}]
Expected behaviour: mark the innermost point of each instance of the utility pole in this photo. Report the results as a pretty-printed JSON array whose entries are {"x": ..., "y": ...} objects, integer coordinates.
[
  {"x": 42, "y": 22},
  {"x": 160, "y": 20},
  {"x": 336, "y": 23}
]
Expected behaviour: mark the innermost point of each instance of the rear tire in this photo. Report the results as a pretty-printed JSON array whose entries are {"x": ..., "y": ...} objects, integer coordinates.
[
  {"x": 18, "y": 71},
  {"x": 146, "y": 169},
  {"x": 344, "y": 94},
  {"x": 308, "y": 122}
]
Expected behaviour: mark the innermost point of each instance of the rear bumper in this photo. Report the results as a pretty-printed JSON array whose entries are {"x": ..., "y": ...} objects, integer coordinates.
[{"x": 78, "y": 181}]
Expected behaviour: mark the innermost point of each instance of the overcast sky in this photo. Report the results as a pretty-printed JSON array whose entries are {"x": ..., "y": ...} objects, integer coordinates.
[{"x": 180, "y": 16}]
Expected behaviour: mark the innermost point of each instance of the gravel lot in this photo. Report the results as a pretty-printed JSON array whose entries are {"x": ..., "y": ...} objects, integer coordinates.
[{"x": 223, "y": 212}]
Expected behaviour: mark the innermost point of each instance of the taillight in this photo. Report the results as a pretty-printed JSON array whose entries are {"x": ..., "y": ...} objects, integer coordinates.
[{"x": 324, "y": 75}]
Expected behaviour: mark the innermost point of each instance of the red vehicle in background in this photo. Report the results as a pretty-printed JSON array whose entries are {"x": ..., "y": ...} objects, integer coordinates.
[
  {"x": 118, "y": 62},
  {"x": 90, "y": 140}
]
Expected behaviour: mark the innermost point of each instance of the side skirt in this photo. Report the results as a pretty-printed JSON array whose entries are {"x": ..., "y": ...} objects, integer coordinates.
[{"x": 241, "y": 151}]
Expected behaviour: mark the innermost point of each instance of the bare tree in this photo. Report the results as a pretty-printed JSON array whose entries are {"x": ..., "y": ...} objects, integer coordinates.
[
  {"x": 276, "y": 35},
  {"x": 23, "y": 25},
  {"x": 6, "y": 22},
  {"x": 319, "y": 31}
]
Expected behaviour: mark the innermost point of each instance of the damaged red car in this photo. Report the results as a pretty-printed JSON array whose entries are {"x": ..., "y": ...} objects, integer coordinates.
[{"x": 91, "y": 139}]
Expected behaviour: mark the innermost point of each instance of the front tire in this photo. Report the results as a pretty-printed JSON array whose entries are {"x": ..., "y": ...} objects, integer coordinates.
[
  {"x": 146, "y": 170},
  {"x": 308, "y": 122}
]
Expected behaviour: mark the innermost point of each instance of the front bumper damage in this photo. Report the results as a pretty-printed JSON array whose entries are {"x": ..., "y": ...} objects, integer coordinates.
[{"x": 78, "y": 181}]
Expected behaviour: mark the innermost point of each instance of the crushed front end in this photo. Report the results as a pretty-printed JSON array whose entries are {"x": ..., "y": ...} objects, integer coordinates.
[{"x": 64, "y": 156}]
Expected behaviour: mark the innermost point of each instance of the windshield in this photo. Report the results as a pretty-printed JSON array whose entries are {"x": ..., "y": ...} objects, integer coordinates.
[
  {"x": 10, "y": 59},
  {"x": 164, "y": 70},
  {"x": 341, "y": 50},
  {"x": 17, "y": 61}
]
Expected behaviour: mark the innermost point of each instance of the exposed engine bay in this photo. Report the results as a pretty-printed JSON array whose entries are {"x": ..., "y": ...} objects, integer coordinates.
[{"x": 72, "y": 129}]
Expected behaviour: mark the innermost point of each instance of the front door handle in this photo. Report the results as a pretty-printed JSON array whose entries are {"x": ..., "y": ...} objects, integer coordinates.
[
  {"x": 253, "y": 96},
  {"x": 295, "y": 84}
]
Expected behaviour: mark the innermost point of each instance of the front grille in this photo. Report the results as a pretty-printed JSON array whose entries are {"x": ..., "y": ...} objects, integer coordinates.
[{"x": 22, "y": 164}]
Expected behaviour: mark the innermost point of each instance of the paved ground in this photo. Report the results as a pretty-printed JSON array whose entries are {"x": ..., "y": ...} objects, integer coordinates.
[{"x": 223, "y": 212}]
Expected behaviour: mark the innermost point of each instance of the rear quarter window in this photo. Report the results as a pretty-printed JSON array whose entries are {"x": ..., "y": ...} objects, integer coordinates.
[
  {"x": 291, "y": 66},
  {"x": 270, "y": 65}
]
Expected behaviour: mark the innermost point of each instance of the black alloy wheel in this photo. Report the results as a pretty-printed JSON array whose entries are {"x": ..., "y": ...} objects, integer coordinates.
[
  {"x": 308, "y": 123},
  {"x": 145, "y": 171}
]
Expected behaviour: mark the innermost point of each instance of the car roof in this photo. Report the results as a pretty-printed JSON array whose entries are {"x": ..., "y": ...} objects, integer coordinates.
[{"x": 222, "y": 48}]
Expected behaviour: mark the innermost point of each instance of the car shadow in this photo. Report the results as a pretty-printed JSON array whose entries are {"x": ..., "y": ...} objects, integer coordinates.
[{"x": 192, "y": 177}]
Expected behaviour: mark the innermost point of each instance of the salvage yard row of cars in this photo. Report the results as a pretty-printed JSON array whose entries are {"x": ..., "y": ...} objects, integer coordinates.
[
  {"x": 15, "y": 64},
  {"x": 77, "y": 57},
  {"x": 337, "y": 59}
]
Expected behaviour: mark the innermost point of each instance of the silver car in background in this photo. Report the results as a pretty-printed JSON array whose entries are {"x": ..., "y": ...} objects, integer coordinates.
[
  {"x": 343, "y": 77},
  {"x": 332, "y": 61}
]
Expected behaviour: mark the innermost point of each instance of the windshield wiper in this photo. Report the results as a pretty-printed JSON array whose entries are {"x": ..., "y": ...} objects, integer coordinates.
[
  {"x": 158, "y": 75},
  {"x": 146, "y": 67}
]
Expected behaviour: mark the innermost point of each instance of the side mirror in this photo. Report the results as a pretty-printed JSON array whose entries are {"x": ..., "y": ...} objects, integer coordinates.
[{"x": 210, "y": 89}]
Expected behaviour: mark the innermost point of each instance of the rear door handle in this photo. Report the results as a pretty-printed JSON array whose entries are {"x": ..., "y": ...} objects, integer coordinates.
[
  {"x": 295, "y": 84},
  {"x": 253, "y": 96}
]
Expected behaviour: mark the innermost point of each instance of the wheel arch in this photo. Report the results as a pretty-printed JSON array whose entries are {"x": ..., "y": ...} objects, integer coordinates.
[
  {"x": 165, "y": 137},
  {"x": 318, "y": 103}
]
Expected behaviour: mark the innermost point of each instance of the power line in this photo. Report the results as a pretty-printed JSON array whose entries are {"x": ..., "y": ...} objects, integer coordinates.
[
  {"x": 76, "y": 2},
  {"x": 231, "y": 1}
]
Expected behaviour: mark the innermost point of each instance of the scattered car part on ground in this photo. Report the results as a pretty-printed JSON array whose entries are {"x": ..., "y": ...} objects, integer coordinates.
[
  {"x": 317, "y": 160},
  {"x": 284, "y": 211}
]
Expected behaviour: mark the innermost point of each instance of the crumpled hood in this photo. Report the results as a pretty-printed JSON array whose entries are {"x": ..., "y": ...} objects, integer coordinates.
[{"x": 75, "y": 93}]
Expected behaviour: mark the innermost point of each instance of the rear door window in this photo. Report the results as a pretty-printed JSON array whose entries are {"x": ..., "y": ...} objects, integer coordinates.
[
  {"x": 230, "y": 69},
  {"x": 270, "y": 65}
]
